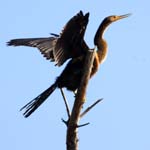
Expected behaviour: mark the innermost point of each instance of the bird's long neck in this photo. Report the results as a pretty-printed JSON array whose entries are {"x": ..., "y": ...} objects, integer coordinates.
[
  {"x": 100, "y": 42},
  {"x": 102, "y": 51}
]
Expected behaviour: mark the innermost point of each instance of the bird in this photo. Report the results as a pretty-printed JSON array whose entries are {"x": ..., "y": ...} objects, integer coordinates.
[{"x": 68, "y": 45}]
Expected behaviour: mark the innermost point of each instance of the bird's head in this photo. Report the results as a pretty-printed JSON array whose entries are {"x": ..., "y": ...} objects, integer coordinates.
[{"x": 111, "y": 19}]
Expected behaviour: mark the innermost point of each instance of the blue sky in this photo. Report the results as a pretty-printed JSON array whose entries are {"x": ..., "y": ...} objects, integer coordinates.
[{"x": 120, "y": 121}]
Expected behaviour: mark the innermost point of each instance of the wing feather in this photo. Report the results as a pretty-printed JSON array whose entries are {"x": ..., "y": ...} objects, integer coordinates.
[
  {"x": 70, "y": 38},
  {"x": 45, "y": 45},
  {"x": 69, "y": 44}
]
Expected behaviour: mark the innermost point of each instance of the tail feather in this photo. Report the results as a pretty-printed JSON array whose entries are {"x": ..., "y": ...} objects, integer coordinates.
[{"x": 35, "y": 103}]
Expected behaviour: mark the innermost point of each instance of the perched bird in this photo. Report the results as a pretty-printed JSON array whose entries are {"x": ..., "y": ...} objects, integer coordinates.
[{"x": 70, "y": 44}]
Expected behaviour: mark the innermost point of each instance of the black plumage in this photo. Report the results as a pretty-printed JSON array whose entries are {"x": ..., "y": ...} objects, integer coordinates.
[{"x": 70, "y": 44}]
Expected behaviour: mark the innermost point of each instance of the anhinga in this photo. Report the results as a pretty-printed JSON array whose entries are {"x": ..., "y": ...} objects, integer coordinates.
[{"x": 69, "y": 44}]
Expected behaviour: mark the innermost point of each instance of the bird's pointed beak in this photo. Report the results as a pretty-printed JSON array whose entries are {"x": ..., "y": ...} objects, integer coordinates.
[{"x": 124, "y": 16}]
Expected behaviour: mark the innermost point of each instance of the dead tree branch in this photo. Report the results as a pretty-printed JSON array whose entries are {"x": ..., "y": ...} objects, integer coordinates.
[
  {"x": 90, "y": 107},
  {"x": 72, "y": 130},
  {"x": 66, "y": 103}
]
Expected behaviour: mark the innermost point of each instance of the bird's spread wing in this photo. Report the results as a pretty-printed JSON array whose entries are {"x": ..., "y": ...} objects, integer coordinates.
[
  {"x": 60, "y": 48},
  {"x": 70, "y": 38},
  {"x": 45, "y": 45}
]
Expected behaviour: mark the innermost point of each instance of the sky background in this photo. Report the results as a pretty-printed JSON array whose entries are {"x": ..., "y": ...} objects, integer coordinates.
[{"x": 120, "y": 122}]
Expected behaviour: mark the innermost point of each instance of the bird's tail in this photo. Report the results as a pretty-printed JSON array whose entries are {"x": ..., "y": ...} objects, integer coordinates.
[{"x": 35, "y": 103}]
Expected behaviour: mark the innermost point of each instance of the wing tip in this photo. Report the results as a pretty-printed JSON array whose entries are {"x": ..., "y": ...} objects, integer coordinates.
[{"x": 9, "y": 43}]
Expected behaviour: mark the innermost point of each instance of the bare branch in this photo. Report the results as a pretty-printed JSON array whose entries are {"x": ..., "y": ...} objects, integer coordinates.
[
  {"x": 82, "y": 125},
  {"x": 64, "y": 121},
  {"x": 72, "y": 130},
  {"x": 66, "y": 103},
  {"x": 90, "y": 107}
]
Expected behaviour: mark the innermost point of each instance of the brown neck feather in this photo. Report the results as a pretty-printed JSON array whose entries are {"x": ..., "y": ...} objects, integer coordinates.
[
  {"x": 102, "y": 50},
  {"x": 100, "y": 42}
]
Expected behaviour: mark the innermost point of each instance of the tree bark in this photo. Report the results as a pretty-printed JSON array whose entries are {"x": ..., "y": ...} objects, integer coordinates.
[{"x": 73, "y": 124}]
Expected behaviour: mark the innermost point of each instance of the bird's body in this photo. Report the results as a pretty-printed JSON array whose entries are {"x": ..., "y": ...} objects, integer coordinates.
[{"x": 70, "y": 44}]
